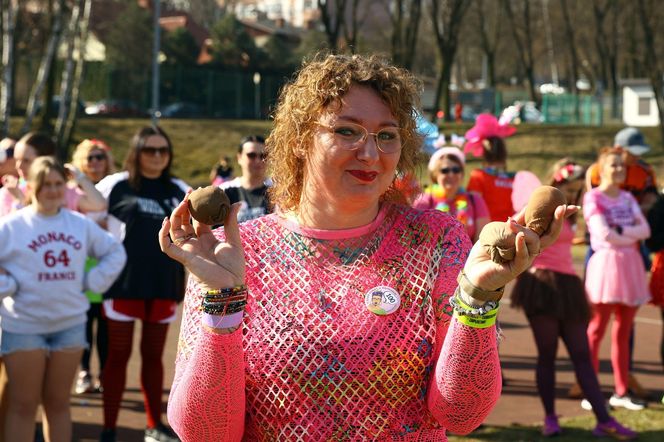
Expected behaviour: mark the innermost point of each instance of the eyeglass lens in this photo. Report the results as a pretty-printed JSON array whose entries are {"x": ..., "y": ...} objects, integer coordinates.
[
  {"x": 97, "y": 156},
  {"x": 254, "y": 155},
  {"x": 351, "y": 135},
  {"x": 453, "y": 169},
  {"x": 154, "y": 150}
]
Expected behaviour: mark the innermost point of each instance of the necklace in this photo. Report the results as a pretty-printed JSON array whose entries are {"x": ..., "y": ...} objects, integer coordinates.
[{"x": 460, "y": 203}]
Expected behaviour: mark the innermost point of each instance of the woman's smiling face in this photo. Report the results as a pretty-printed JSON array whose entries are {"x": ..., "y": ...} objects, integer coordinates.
[{"x": 337, "y": 176}]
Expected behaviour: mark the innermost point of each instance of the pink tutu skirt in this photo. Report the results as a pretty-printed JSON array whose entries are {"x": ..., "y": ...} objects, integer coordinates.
[{"x": 617, "y": 275}]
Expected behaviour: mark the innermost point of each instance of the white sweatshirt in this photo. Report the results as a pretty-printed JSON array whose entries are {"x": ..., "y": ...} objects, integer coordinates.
[{"x": 45, "y": 258}]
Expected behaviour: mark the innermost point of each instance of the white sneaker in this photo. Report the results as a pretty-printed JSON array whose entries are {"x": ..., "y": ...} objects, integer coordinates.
[
  {"x": 586, "y": 405},
  {"x": 627, "y": 402}
]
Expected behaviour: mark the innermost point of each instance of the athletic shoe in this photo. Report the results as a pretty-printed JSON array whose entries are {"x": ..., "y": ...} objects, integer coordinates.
[
  {"x": 551, "y": 427},
  {"x": 613, "y": 429},
  {"x": 160, "y": 433},
  {"x": 84, "y": 383},
  {"x": 586, "y": 405},
  {"x": 107, "y": 435},
  {"x": 627, "y": 402}
]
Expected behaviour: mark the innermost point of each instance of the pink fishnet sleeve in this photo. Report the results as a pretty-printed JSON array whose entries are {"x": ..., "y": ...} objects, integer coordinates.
[
  {"x": 467, "y": 380},
  {"x": 207, "y": 400}
]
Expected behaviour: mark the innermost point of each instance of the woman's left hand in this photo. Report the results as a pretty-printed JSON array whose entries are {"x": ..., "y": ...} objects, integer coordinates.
[{"x": 488, "y": 275}]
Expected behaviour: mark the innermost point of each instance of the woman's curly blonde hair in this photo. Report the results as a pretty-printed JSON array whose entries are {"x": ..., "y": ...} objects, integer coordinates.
[{"x": 323, "y": 82}]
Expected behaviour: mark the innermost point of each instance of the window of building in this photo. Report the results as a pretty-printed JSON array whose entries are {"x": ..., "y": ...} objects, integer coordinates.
[{"x": 644, "y": 106}]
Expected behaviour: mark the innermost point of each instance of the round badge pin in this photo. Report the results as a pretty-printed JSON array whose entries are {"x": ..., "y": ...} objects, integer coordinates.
[{"x": 382, "y": 300}]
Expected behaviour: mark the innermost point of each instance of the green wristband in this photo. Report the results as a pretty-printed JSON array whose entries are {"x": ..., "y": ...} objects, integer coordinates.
[{"x": 484, "y": 321}]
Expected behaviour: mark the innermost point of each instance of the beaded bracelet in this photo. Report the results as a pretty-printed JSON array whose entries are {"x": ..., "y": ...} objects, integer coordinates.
[
  {"x": 465, "y": 310},
  {"x": 223, "y": 309},
  {"x": 237, "y": 290},
  {"x": 476, "y": 317}
]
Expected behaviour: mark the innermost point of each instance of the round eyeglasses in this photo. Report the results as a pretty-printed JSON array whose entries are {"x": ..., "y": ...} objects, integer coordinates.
[{"x": 351, "y": 136}]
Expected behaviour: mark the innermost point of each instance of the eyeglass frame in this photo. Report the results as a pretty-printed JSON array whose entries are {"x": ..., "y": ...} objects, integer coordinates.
[
  {"x": 152, "y": 151},
  {"x": 453, "y": 169},
  {"x": 97, "y": 156},
  {"x": 256, "y": 155},
  {"x": 363, "y": 140}
]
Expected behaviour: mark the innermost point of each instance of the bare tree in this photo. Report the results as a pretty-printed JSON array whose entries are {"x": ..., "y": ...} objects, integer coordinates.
[
  {"x": 6, "y": 85},
  {"x": 357, "y": 18},
  {"x": 405, "y": 16},
  {"x": 606, "y": 42},
  {"x": 57, "y": 9},
  {"x": 653, "y": 67},
  {"x": 523, "y": 38},
  {"x": 67, "y": 78},
  {"x": 73, "y": 74},
  {"x": 490, "y": 20},
  {"x": 446, "y": 16},
  {"x": 332, "y": 16}
]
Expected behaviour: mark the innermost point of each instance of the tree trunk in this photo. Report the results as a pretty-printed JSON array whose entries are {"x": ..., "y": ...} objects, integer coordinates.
[
  {"x": 7, "y": 85},
  {"x": 78, "y": 74},
  {"x": 45, "y": 67},
  {"x": 651, "y": 63},
  {"x": 332, "y": 21},
  {"x": 67, "y": 80}
]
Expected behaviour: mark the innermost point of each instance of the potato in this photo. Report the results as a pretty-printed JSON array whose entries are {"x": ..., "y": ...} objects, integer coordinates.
[
  {"x": 497, "y": 238},
  {"x": 209, "y": 205}
]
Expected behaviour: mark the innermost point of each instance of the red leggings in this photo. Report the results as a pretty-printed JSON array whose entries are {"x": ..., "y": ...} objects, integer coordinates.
[
  {"x": 120, "y": 337},
  {"x": 622, "y": 326}
]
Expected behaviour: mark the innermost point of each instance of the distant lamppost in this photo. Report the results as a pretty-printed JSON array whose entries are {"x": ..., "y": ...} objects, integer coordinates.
[
  {"x": 155, "y": 62},
  {"x": 257, "y": 95}
]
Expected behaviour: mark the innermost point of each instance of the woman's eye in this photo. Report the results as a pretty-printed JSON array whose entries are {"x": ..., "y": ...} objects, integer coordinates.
[{"x": 346, "y": 131}]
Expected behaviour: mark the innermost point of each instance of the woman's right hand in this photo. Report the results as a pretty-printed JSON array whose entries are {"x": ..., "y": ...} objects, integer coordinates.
[
  {"x": 10, "y": 182},
  {"x": 216, "y": 264}
]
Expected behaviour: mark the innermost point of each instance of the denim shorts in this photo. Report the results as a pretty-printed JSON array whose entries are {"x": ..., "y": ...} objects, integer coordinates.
[{"x": 70, "y": 338}]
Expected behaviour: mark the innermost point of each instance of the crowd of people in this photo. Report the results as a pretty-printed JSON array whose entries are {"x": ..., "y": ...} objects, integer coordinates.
[{"x": 328, "y": 304}]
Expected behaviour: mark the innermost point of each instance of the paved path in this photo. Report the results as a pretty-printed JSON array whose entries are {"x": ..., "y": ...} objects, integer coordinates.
[{"x": 519, "y": 402}]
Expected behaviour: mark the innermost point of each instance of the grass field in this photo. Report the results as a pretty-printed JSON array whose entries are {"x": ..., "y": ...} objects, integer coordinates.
[
  {"x": 649, "y": 423},
  {"x": 199, "y": 143}
]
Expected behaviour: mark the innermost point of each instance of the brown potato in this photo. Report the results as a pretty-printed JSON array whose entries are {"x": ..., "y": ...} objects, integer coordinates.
[
  {"x": 497, "y": 238},
  {"x": 209, "y": 205}
]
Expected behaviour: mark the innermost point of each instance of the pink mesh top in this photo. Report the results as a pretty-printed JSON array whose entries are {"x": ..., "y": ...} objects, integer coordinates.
[{"x": 311, "y": 362}]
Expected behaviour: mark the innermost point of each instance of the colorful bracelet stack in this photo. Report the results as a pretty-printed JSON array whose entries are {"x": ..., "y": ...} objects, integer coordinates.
[
  {"x": 476, "y": 317},
  {"x": 224, "y": 308}
]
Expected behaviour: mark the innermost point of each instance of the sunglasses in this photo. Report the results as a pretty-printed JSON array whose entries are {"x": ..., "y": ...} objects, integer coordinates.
[
  {"x": 97, "y": 156},
  {"x": 453, "y": 169},
  {"x": 152, "y": 151},
  {"x": 256, "y": 155}
]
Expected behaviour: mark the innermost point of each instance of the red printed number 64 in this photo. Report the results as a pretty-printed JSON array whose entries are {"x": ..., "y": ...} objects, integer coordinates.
[{"x": 51, "y": 260}]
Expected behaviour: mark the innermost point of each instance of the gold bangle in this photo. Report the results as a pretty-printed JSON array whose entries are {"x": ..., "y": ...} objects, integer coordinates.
[{"x": 477, "y": 293}]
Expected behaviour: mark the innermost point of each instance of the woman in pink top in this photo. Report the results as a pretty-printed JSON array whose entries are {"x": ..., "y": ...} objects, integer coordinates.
[
  {"x": 616, "y": 281},
  {"x": 349, "y": 326},
  {"x": 554, "y": 300},
  {"x": 446, "y": 169}
]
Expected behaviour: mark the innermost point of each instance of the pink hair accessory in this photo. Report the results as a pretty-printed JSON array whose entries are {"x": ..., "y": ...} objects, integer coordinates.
[
  {"x": 100, "y": 144},
  {"x": 568, "y": 172},
  {"x": 447, "y": 150},
  {"x": 486, "y": 126}
]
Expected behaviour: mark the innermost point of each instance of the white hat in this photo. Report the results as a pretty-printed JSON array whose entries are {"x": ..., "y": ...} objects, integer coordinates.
[
  {"x": 631, "y": 139},
  {"x": 447, "y": 150}
]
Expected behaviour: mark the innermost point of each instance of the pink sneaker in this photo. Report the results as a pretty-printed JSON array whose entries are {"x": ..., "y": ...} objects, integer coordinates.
[
  {"x": 613, "y": 429},
  {"x": 551, "y": 427}
]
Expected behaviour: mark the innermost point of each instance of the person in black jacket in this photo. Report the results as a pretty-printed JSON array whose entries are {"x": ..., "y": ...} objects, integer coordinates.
[{"x": 151, "y": 284}]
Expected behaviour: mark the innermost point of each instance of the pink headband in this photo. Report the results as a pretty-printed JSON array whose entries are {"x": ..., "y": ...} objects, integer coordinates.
[{"x": 448, "y": 150}]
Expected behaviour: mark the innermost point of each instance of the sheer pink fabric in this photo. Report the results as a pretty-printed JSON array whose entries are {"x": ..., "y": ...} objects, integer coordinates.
[{"x": 312, "y": 363}]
